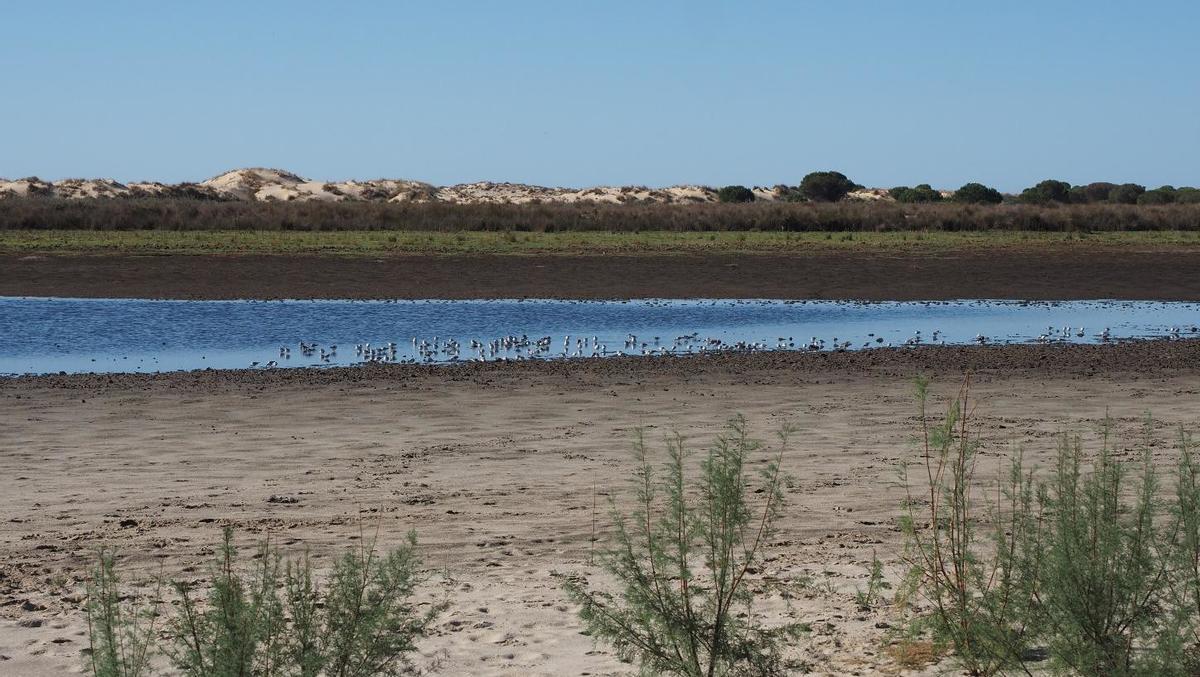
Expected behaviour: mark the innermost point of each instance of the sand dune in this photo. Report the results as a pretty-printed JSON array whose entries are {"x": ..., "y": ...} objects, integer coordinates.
[{"x": 262, "y": 185}]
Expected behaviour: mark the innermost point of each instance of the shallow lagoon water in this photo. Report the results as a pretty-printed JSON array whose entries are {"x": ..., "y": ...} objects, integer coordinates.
[{"x": 51, "y": 335}]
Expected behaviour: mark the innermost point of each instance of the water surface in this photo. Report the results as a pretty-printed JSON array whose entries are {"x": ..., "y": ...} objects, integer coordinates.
[{"x": 50, "y": 335}]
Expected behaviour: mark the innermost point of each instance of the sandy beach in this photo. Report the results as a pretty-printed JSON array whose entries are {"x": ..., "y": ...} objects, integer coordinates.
[{"x": 494, "y": 466}]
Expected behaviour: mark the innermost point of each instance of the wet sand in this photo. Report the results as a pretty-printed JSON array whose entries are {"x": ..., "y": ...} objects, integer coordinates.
[
  {"x": 494, "y": 466},
  {"x": 1077, "y": 272}
]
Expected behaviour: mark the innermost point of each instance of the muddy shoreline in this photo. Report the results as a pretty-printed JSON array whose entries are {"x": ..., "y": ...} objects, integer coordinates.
[
  {"x": 1132, "y": 360},
  {"x": 1084, "y": 273}
]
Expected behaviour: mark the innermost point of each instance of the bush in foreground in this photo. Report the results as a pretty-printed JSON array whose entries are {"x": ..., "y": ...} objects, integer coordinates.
[
  {"x": 1103, "y": 588},
  {"x": 978, "y": 588},
  {"x": 1089, "y": 567},
  {"x": 681, "y": 558},
  {"x": 362, "y": 623}
]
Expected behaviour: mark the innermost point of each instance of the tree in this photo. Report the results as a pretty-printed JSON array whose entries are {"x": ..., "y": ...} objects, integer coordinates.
[
  {"x": 1126, "y": 193},
  {"x": 735, "y": 194},
  {"x": 1097, "y": 191},
  {"x": 1163, "y": 195},
  {"x": 1187, "y": 196},
  {"x": 921, "y": 193},
  {"x": 1049, "y": 190},
  {"x": 826, "y": 186},
  {"x": 977, "y": 193}
]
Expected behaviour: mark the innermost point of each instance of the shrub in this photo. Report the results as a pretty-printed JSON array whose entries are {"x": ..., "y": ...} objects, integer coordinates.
[
  {"x": 977, "y": 193},
  {"x": 980, "y": 602},
  {"x": 1186, "y": 590},
  {"x": 121, "y": 634},
  {"x": 1047, "y": 191},
  {"x": 1126, "y": 193},
  {"x": 826, "y": 186},
  {"x": 240, "y": 633},
  {"x": 364, "y": 623},
  {"x": 1103, "y": 589},
  {"x": 682, "y": 558},
  {"x": 735, "y": 194}
]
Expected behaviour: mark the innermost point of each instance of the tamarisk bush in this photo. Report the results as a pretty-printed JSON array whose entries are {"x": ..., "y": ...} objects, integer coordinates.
[
  {"x": 1093, "y": 566},
  {"x": 1103, "y": 595},
  {"x": 273, "y": 621},
  {"x": 979, "y": 595},
  {"x": 681, "y": 559},
  {"x": 121, "y": 634}
]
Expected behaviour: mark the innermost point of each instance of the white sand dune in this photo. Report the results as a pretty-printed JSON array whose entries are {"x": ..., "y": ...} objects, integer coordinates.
[{"x": 262, "y": 184}]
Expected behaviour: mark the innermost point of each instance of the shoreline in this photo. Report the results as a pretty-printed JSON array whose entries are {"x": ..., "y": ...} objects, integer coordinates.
[{"x": 1133, "y": 359}]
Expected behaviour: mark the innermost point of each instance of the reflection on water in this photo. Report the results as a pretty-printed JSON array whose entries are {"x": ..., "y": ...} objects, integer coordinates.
[{"x": 48, "y": 335}]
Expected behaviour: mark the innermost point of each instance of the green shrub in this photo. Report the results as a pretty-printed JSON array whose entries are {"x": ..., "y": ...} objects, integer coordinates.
[
  {"x": 241, "y": 631},
  {"x": 735, "y": 194},
  {"x": 682, "y": 558},
  {"x": 979, "y": 597},
  {"x": 121, "y": 633},
  {"x": 1103, "y": 591},
  {"x": 1092, "y": 563},
  {"x": 363, "y": 624},
  {"x": 826, "y": 186},
  {"x": 977, "y": 193},
  {"x": 867, "y": 598}
]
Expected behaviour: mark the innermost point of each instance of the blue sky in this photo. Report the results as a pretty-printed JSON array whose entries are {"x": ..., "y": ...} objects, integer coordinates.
[{"x": 573, "y": 93}]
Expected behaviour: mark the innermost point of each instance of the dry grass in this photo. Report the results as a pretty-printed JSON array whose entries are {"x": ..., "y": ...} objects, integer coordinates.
[
  {"x": 915, "y": 654},
  {"x": 374, "y": 243}
]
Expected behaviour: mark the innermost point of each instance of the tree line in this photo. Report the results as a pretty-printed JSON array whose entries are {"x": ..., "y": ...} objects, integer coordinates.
[{"x": 831, "y": 186}]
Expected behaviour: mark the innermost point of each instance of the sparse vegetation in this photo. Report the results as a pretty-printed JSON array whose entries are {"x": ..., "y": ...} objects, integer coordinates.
[
  {"x": 1101, "y": 595},
  {"x": 362, "y": 623},
  {"x": 683, "y": 559},
  {"x": 122, "y": 629},
  {"x": 978, "y": 594},
  {"x": 1090, "y": 567}
]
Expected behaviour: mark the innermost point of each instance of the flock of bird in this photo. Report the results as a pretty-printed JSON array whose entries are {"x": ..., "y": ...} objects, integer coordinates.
[{"x": 523, "y": 347}]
